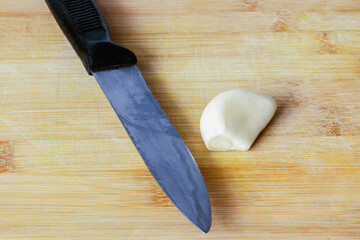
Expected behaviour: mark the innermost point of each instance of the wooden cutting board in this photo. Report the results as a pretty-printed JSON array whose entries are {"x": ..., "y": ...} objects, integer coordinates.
[{"x": 69, "y": 171}]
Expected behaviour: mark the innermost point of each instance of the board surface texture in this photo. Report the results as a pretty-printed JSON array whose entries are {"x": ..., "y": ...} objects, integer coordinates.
[{"x": 69, "y": 171}]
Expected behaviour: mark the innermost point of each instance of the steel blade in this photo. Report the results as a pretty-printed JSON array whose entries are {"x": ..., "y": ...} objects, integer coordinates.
[{"x": 161, "y": 147}]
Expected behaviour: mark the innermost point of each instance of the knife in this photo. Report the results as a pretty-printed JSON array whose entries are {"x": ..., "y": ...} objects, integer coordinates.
[{"x": 159, "y": 144}]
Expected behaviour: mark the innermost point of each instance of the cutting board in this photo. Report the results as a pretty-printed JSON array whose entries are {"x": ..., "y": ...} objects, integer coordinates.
[{"x": 69, "y": 171}]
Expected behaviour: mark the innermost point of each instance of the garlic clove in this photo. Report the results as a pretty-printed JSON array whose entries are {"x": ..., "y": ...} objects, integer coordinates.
[{"x": 234, "y": 119}]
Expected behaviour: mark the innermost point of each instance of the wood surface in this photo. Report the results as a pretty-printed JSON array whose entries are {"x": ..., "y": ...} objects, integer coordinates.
[{"x": 69, "y": 171}]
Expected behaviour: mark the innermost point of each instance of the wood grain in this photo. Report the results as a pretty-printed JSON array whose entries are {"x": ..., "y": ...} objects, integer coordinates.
[{"x": 69, "y": 171}]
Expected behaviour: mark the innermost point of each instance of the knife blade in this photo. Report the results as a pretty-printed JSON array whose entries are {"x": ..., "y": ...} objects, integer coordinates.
[{"x": 159, "y": 144}]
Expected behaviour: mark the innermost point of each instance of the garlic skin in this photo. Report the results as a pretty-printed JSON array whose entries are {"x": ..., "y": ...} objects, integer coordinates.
[{"x": 234, "y": 119}]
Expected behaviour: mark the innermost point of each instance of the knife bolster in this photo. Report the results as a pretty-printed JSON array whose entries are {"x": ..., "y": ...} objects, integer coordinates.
[{"x": 107, "y": 55}]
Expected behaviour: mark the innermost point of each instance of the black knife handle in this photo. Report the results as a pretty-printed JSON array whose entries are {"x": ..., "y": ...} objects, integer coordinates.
[{"x": 84, "y": 26}]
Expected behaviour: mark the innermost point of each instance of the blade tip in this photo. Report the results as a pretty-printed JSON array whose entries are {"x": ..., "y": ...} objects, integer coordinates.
[
  {"x": 205, "y": 228},
  {"x": 205, "y": 231}
]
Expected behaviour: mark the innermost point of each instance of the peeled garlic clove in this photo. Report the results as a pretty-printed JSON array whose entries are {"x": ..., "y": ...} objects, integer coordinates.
[{"x": 234, "y": 119}]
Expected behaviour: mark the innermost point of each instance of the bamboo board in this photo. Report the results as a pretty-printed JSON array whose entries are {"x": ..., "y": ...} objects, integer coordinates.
[{"x": 69, "y": 171}]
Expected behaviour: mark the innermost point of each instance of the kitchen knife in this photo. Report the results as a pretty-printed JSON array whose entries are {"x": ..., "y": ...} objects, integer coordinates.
[{"x": 114, "y": 67}]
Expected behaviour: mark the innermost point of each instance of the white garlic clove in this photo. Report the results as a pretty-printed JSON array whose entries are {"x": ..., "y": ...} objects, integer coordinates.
[{"x": 234, "y": 119}]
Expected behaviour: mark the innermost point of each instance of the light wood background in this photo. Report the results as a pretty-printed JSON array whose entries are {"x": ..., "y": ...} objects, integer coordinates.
[{"x": 69, "y": 171}]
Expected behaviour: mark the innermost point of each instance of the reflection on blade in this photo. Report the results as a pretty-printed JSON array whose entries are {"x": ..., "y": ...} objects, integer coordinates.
[{"x": 159, "y": 144}]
